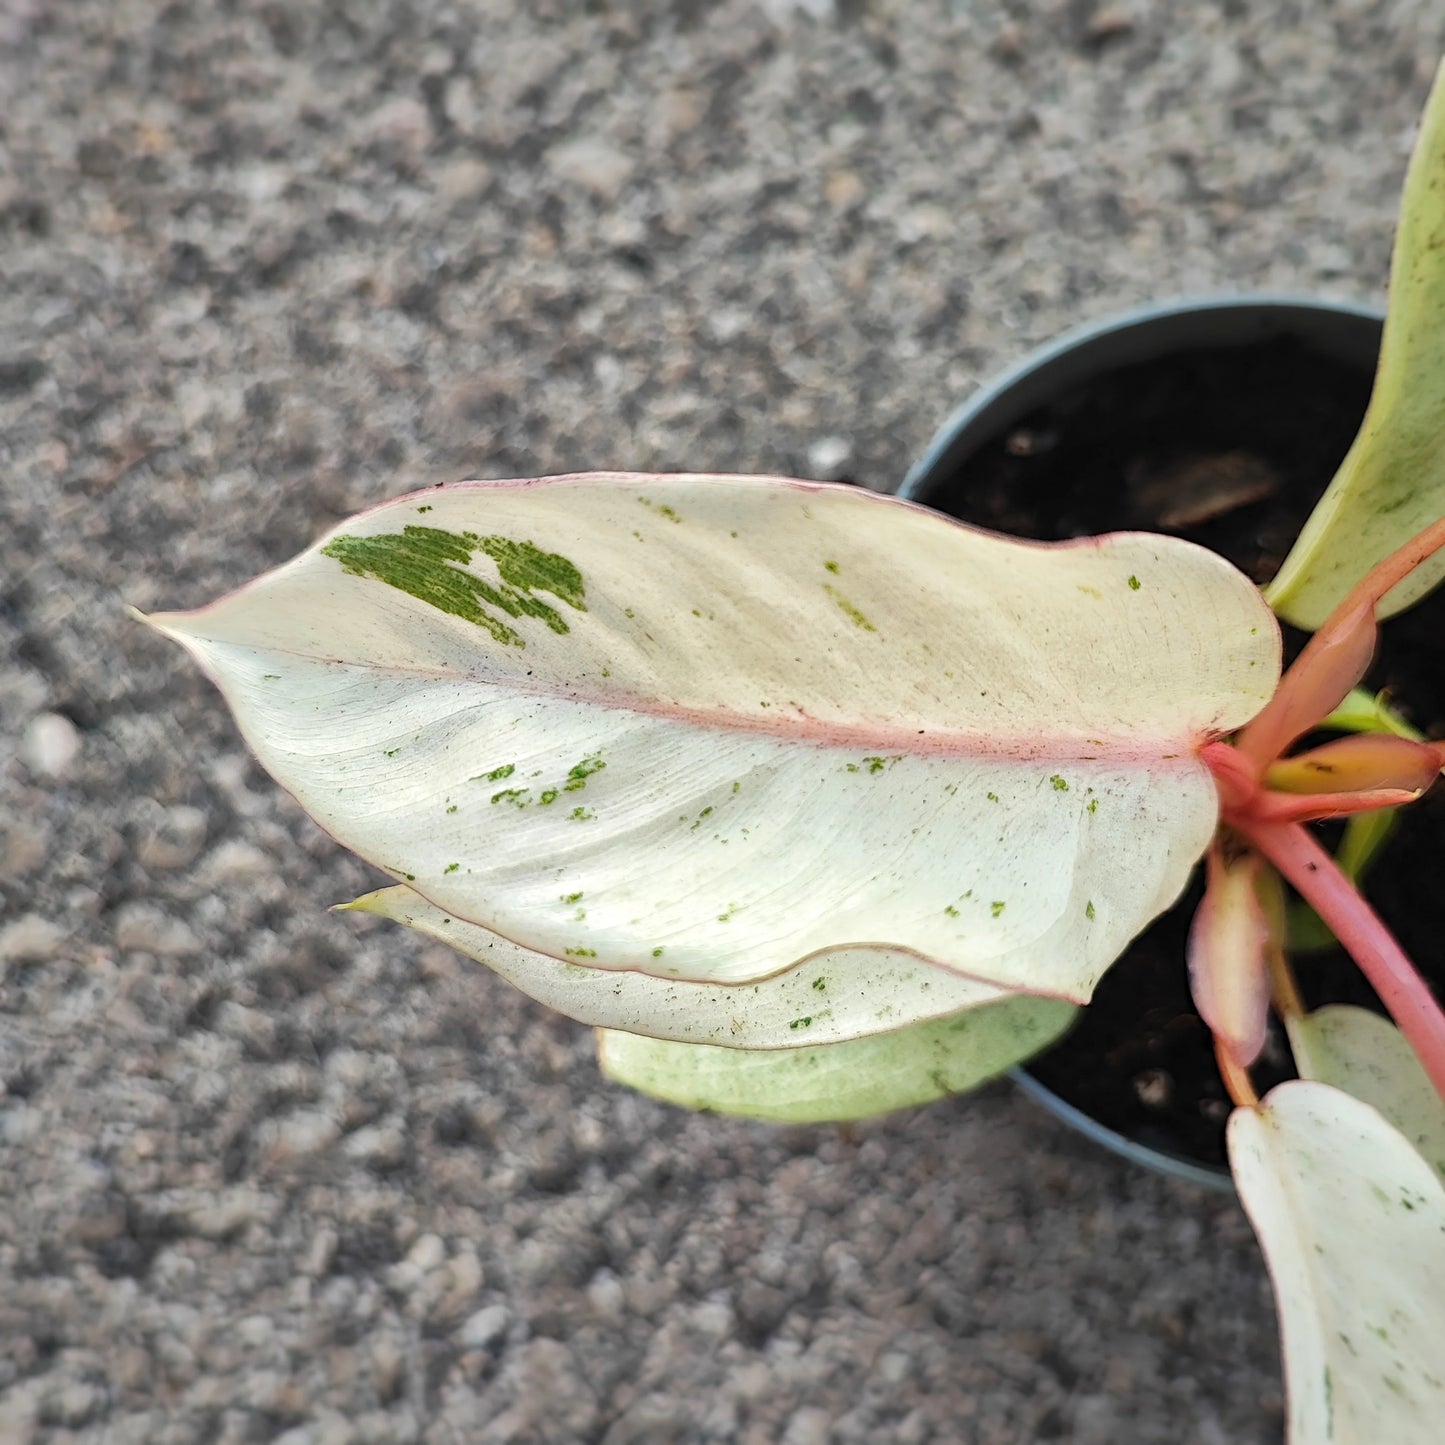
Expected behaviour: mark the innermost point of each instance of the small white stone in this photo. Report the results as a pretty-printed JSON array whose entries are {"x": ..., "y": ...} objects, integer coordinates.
[
  {"x": 50, "y": 745},
  {"x": 485, "y": 1326},
  {"x": 589, "y": 162},
  {"x": 320, "y": 1252},
  {"x": 255, "y": 1330},
  {"x": 403, "y": 123},
  {"x": 828, "y": 456},
  {"x": 427, "y": 1253},
  {"x": 381, "y": 1145},
  {"x": 404, "y": 1277},
  {"x": 349, "y": 1068},
  {"x": 606, "y": 1295},
  {"x": 19, "y": 1124},
  {"x": 464, "y": 179},
  {"x": 465, "y": 1275},
  {"x": 75, "y": 1402},
  {"x": 18, "y": 1410},
  {"x": 459, "y": 103},
  {"x": 299, "y": 1135},
  {"x": 175, "y": 839},
  {"x": 30, "y": 939},
  {"x": 387, "y": 1362},
  {"x": 235, "y": 862},
  {"x": 333, "y": 1428},
  {"x": 143, "y": 928},
  {"x": 24, "y": 846},
  {"x": 808, "y": 1426},
  {"x": 215, "y": 1216},
  {"x": 297, "y": 1435},
  {"x": 713, "y": 1317},
  {"x": 782, "y": 12},
  {"x": 262, "y": 184}
]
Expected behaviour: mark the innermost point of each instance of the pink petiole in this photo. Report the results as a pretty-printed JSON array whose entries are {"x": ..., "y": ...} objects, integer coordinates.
[{"x": 1266, "y": 796}]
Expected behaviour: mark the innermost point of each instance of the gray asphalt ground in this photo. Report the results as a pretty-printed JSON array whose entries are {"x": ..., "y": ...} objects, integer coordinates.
[{"x": 269, "y": 1174}]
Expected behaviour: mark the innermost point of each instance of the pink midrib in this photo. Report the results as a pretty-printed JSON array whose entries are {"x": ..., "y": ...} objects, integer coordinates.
[{"x": 794, "y": 723}]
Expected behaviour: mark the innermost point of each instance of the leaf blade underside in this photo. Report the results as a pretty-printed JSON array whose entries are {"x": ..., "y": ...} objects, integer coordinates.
[{"x": 827, "y": 998}]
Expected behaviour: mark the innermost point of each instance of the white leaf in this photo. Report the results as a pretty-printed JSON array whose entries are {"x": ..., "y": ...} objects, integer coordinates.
[
  {"x": 825, "y": 999},
  {"x": 750, "y": 720},
  {"x": 1352, "y": 1223},
  {"x": 836, "y": 1082},
  {"x": 1367, "y": 1056}
]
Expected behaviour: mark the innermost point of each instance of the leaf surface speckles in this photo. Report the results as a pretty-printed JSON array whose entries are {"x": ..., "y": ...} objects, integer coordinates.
[
  {"x": 867, "y": 989},
  {"x": 848, "y": 609}
]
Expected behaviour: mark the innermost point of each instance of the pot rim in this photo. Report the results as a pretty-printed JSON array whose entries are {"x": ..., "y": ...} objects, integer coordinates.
[
  {"x": 1208, "y": 1176},
  {"x": 1117, "y": 325},
  {"x": 993, "y": 406}
]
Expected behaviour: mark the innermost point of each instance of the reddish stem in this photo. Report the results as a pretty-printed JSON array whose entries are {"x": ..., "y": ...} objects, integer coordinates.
[
  {"x": 1316, "y": 807},
  {"x": 1359, "y": 929},
  {"x": 1236, "y": 1078},
  {"x": 1333, "y": 661},
  {"x": 1386, "y": 575},
  {"x": 1242, "y": 794},
  {"x": 1336, "y": 657}
]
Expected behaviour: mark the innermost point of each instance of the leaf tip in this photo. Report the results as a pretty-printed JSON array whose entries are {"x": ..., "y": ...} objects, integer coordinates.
[
  {"x": 375, "y": 902},
  {"x": 168, "y": 624}
]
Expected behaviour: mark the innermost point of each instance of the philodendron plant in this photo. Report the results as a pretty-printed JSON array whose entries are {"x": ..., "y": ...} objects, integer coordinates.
[{"x": 818, "y": 804}]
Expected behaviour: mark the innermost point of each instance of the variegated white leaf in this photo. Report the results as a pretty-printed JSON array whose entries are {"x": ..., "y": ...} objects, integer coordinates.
[
  {"x": 750, "y": 721},
  {"x": 1352, "y": 1222}
]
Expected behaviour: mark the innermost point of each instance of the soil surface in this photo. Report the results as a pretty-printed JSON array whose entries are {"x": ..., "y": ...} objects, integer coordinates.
[{"x": 1229, "y": 447}]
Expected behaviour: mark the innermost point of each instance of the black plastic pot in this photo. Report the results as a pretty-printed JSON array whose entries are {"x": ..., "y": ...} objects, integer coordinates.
[{"x": 1344, "y": 334}]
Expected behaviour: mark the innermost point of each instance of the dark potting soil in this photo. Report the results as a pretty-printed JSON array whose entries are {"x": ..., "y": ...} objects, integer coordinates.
[{"x": 1230, "y": 447}]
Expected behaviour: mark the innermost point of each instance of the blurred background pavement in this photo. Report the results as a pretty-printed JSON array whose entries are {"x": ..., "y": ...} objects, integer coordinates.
[{"x": 269, "y": 1174}]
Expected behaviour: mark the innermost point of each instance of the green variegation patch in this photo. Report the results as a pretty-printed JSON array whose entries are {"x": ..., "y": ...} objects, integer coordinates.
[{"x": 423, "y": 563}]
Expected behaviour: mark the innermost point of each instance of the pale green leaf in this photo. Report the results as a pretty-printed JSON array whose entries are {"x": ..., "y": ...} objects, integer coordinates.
[
  {"x": 1352, "y": 1223},
  {"x": 749, "y": 721},
  {"x": 1367, "y": 1056},
  {"x": 1391, "y": 485},
  {"x": 835, "y": 1082},
  {"x": 1362, "y": 711},
  {"x": 825, "y": 999}
]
